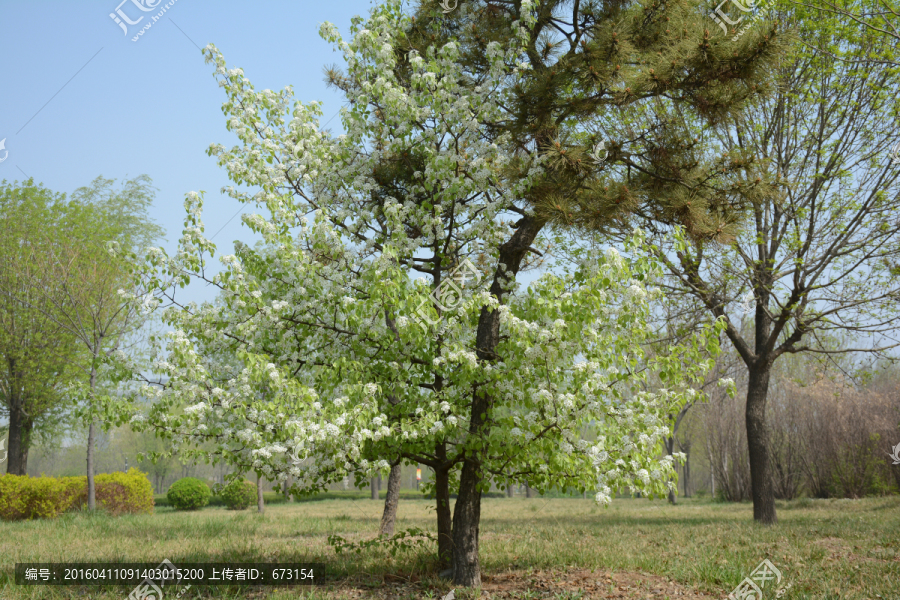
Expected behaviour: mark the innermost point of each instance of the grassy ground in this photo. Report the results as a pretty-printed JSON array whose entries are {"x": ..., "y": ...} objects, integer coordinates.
[{"x": 537, "y": 548}]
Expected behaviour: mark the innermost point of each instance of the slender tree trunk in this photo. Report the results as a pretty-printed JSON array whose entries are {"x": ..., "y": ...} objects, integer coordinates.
[
  {"x": 91, "y": 492},
  {"x": 260, "y": 505},
  {"x": 373, "y": 488},
  {"x": 757, "y": 440},
  {"x": 529, "y": 493},
  {"x": 287, "y": 487},
  {"x": 20, "y": 426},
  {"x": 509, "y": 489},
  {"x": 391, "y": 501},
  {"x": 670, "y": 448},
  {"x": 687, "y": 475},
  {"x": 444, "y": 517}
]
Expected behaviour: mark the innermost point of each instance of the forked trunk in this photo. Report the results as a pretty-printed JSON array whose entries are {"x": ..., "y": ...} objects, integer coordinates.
[
  {"x": 758, "y": 442},
  {"x": 391, "y": 501}
]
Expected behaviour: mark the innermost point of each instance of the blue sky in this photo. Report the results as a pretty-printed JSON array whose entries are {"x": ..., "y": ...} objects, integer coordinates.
[{"x": 80, "y": 99}]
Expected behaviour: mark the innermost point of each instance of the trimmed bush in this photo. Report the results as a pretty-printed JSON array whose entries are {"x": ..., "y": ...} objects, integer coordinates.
[
  {"x": 188, "y": 493},
  {"x": 23, "y": 497},
  {"x": 238, "y": 494},
  {"x": 123, "y": 493}
]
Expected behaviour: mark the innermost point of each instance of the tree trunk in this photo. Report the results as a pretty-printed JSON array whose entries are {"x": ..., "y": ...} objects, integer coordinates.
[
  {"x": 466, "y": 521},
  {"x": 509, "y": 489},
  {"x": 287, "y": 487},
  {"x": 91, "y": 490},
  {"x": 670, "y": 448},
  {"x": 444, "y": 517},
  {"x": 758, "y": 443},
  {"x": 467, "y": 512},
  {"x": 687, "y": 475},
  {"x": 260, "y": 505},
  {"x": 529, "y": 493},
  {"x": 91, "y": 494},
  {"x": 20, "y": 426},
  {"x": 373, "y": 488},
  {"x": 391, "y": 501}
]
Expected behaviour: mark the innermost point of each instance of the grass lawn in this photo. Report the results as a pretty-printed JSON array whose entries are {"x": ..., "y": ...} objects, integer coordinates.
[{"x": 530, "y": 548}]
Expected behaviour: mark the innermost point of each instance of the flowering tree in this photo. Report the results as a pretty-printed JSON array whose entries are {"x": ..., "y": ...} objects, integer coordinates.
[{"x": 324, "y": 358}]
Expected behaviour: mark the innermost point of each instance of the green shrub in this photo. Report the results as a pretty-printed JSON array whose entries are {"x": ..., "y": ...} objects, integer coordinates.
[
  {"x": 23, "y": 497},
  {"x": 188, "y": 493},
  {"x": 238, "y": 494}
]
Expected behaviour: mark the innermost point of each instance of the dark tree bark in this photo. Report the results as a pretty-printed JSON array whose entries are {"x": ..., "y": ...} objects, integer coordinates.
[
  {"x": 444, "y": 517},
  {"x": 391, "y": 501},
  {"x": 20, "y": 427},
  {"x": 467, "y": 512},
  {"x": 466, "y": 523},
  {"x": 758, "y": 442}
]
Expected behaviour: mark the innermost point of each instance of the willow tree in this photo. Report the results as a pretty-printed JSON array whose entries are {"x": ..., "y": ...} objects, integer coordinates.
[{"x": 38, "y": 357}]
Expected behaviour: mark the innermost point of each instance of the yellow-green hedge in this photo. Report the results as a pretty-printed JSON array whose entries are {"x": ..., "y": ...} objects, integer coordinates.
[{"x": 23, "y": 497}]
